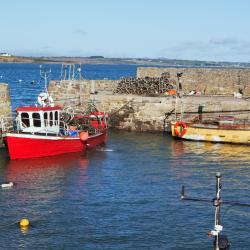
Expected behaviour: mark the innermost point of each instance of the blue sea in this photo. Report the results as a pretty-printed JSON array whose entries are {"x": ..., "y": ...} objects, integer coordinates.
[{"x": 124, "y": 195}]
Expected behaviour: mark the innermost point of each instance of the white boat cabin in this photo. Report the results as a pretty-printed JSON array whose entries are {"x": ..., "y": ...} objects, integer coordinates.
[{"x": 38, "y": 120}]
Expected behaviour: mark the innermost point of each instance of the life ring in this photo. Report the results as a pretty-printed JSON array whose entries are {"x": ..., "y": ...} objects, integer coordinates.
[{"x": 180, "y": 128}]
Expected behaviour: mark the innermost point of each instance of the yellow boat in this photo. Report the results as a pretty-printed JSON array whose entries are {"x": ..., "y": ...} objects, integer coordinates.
[
  {"x": 224, "y": 132},
  {"x": 224, "y": 129}
]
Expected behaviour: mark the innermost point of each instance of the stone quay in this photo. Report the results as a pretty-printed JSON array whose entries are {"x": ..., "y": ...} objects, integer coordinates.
[{"x": 153, "y": 114}]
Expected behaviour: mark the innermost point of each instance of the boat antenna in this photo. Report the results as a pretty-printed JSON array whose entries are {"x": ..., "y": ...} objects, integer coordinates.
[
  {"x": 221, "y": 242},
  {"x": 44, "y": 74}
]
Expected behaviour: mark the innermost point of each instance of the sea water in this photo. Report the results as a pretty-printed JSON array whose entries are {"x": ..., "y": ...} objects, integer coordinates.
[{"x": 124, "y": 195}]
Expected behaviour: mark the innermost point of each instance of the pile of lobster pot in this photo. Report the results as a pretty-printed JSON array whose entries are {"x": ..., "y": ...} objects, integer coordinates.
[{"x": 147, "y": 86}]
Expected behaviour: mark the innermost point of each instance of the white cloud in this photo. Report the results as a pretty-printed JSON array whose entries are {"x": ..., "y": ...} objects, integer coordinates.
[
  {"x": 216, "y": 49},
  {"x": 224, "y": 41},
  {"x": 81, "y": 32}
]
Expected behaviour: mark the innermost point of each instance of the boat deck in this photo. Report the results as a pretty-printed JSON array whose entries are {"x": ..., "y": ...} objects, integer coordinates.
[{"x": 220, "y": 126}]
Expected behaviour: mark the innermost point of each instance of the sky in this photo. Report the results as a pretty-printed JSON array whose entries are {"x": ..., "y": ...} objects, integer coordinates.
[{"x": 212, "y": 30}]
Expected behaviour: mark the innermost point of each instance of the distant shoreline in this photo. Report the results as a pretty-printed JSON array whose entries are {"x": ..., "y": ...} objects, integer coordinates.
[{"x": 136, "y": 61}]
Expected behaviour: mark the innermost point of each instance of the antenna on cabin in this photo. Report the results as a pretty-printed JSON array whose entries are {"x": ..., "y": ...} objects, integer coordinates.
[
  {"x": 221, "y": 242},
  {"x": 44, "y": 74},
  {"x": 44, "y": 99}
]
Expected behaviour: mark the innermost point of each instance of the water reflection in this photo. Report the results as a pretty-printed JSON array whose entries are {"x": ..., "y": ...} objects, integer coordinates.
[
  {"x": 4, "y": 158},
  {"x": 43, "y": 180},
  {"x": 24, "y": 230},
  {"x": 40, "y": 184},
  {"x": 211, "y": 151},
  {"x": 46, "y": 168}
]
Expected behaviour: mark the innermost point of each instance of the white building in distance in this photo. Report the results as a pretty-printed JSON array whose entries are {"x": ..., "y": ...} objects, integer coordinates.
[{"x": 5, "y": 54}]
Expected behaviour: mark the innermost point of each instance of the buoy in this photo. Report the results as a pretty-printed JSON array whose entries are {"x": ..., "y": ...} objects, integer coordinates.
[
  {"x": 7, "y": 184},
  {"x": 24, "y": 222},
  {"x": 84, "y": 135}
]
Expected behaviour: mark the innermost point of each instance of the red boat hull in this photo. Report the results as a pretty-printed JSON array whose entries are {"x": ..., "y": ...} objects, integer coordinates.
[
  {"x": 39, "y": 146},
  {"x": 95, "y": 140},
  {"x": 21, "y": 146}
]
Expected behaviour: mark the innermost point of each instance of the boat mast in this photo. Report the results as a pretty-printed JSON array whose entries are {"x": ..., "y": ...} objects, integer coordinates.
[
  {"x": 179, "y": 95},
  {"x": 71, "y": 72}
]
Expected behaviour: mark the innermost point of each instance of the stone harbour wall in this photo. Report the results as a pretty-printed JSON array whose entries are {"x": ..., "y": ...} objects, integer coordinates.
[
  {"x": 66, "y": 93},
  {"x": 69, "y": 93},
  {"x": 139, "y": 113},
  {"x": 208, "y": 81},
  {"x": 143, "y": 114},
  {"x": 5, "y": 104},
  {"x": 135, "y": 113},
  {"x": 102, "y": 85}
]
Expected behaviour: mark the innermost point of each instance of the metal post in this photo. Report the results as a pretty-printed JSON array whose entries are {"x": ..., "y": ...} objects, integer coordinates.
[
  {"x": 221, "y": 242},
  {"x": 179, "y": 93},
  {"x": 73, "y": 72},
  {"x": 61, "y": 77},
  {"x": 176, "y": 97},
  {"x": 65, "y": 72},
  {"x": 92, "y": 87},
  {"x": 218, "y": 188},
  {"x": 200, "y": 111},
  {"x": 217, "y": 203}
]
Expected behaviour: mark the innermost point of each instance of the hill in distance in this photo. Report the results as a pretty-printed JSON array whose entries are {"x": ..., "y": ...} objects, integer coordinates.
[{"x": 137, "y": 61}]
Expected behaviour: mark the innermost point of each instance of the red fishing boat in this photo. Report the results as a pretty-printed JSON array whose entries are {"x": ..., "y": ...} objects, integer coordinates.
[
  {"x": 43, "y": 130},
  {"x": 40, "y": 131}
]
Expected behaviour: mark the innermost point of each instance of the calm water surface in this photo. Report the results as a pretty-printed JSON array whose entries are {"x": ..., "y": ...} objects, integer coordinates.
[{"x": 124, "y": 195}]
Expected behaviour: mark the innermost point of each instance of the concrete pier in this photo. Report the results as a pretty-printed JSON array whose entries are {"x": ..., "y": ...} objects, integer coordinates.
[{"x": 140, "y": 113}]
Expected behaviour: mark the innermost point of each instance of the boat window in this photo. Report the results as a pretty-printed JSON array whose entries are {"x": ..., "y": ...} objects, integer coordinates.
[
  {"x": 36, "y": 120},
  {"x": 56, "y": 117},
  {"x": 45, "y": 117},
  {"x": 25, "y": 119},
  {"x": 51, "y": 118}
]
